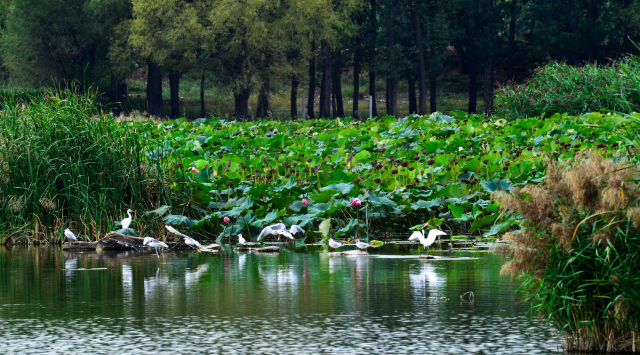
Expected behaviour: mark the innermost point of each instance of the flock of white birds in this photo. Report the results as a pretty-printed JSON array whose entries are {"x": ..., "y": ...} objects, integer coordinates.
[{"x": 278, "y": 229}]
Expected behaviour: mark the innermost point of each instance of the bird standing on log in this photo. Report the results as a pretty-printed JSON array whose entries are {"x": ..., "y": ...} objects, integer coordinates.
[
  {"x": 127, "y": 221},
  {"x": 69, "y": 234}
]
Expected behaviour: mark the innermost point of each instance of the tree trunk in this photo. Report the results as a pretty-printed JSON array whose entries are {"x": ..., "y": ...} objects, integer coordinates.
[
  {"x": 372, "y": 92},
  {"x": 392, "y": 104},
  {"x": 118, "y": 95},
  {"x": 333, "y": 98},
  {"x": 294, "y": 99},
  {"x": 463, "y": 66},
  {"x": 325, "y": 89},
  {"x": 155, "y": 105},
  {"x": 488, "y": 87},
  {"x": 392, "y": 79},
  {"x": 488, "y": 65},
  {"x": 356, "y": 80},
  {"x": 241, "y": 101},
  {"x": 592, "y": 18},
  {"x": 422, "y": 79},
  {"x": 432, "y": 93},
  {"x": 412, "y": 95},
  {"x": 202, "y": 108},
  {"x": 174, "y": 86},
  {"x": 337, "y": 89},
  {"x": 473, "y": 79},
  {"x": 312, "y": 82},
  {"x": 512, "y": 39},
  {"x": 372, "y": 56},
  {"x": 263, "y": 101}
]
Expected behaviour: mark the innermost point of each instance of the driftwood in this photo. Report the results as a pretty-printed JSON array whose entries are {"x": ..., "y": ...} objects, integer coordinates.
[
  {"x": 426, "y": 256},
  {"x": 253, "y": 247},
  {"x": 116, "y": 241}
]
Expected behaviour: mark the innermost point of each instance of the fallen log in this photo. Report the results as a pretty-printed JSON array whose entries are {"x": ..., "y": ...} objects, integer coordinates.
[
  {"x": 117, "y": 241},
  {"x": 269, "y": 249}
]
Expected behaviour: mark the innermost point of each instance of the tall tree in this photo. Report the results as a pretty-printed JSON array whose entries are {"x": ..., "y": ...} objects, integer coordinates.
[
  {"x": 325, "y": 88},
  {"x": 422, "y": 79},
  {"x": 512, "y": 37},
  {"x": 488, "y": 64},
  {"x": 45, "y": 42},
  {"x": 312, "y": 82}
]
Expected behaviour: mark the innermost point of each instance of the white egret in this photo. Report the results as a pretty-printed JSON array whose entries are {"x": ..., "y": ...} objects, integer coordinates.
[
  {"x": 431, "y": 237},
  {"x": 69, "y": 234},
  {"x": 127, "y": 221},
  {"x": 280, "y": 229},
  {"x": 241, "y": 240},
  {"x": 362, "y": 245},
  {"x": 187, "y": 239},
  {"x": 333, "y": 244},
  {"x": 154, "y": 243}
]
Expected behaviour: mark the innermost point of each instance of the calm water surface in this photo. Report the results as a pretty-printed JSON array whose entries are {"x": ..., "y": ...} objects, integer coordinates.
[{"x": 291, "y": 303}]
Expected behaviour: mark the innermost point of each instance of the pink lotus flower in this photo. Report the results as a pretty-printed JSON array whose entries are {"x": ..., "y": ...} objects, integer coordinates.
[
  {"x": 194, "y": 170},
  {"x": 226, "y": 220},
  {"x": 305, "y": 202},
  {"x": 355, "y": 202}
]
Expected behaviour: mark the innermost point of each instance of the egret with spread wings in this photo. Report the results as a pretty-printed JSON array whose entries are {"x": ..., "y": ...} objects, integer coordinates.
[
  {"x": 187, "y": 239},
  {"x": 431, "y": 237},
  {"x": 280, "y": 229}
]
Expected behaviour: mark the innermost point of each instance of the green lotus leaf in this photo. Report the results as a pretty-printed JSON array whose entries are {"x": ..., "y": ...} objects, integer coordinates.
[
  {"x": 493, "y": 185},
  {"x": 176, "y": 220}
]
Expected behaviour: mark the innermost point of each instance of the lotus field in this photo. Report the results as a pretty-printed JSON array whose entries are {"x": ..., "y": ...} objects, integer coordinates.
[{"x": 367, "y": 180}]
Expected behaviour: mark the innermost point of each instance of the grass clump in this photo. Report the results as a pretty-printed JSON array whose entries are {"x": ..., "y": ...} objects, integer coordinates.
[
  {"x": 560, "y": 88},
  {"x": 578, "y": 251},
  {"x": 63, "y": 163}
]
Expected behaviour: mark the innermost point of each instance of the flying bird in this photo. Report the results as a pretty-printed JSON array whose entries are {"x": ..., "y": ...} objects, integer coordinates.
[
  {"x": 69, "y": 234},
  {"x": 333, "y": 244},
  {"x": 280, "y": 229},
  {"x": 127, "y": 221},
  {"x": 187, "y": 239},
  {"x": 241, "y": 240},
  {"x": 431, "y": 237},
  {"x": 154, "y": 243}
]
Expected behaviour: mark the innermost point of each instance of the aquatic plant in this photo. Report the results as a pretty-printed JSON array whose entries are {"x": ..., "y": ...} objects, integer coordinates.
[
  {"x": 404, "y": 171},
  {"x": 561, "y": 88},
  {"x": 66, "y": 164},
  {"x": 577, "y": 251}
]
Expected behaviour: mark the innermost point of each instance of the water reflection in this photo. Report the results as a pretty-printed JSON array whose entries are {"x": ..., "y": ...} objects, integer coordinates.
[{"x": 294, "y": 303}]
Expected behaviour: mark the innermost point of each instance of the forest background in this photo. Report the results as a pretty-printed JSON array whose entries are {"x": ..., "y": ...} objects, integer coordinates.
[{"x": 258, "y": 58}]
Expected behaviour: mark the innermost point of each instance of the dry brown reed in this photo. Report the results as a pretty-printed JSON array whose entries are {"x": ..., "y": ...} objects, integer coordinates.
[{"x": 573, "y": 222}]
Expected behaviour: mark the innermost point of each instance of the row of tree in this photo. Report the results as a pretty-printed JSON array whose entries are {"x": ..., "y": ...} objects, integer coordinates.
[{"x": 250, "y": 45}]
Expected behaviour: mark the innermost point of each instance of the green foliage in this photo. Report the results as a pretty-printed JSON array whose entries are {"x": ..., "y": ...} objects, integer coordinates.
[
  {"x": 64, "y": 163},
  {"x": 578, "y": 251},
  {"x": 67, "y": 41},
  {"x": 416, "y": 169},
  {"x": 562, "y": 88}
]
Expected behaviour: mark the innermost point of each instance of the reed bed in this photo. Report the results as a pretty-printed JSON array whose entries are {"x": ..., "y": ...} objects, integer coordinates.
[
  {"x": 66, "y": 164},
  {"x": 578, "y": 252}
]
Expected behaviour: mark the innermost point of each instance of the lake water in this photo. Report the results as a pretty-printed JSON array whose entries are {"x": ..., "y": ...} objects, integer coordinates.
[{"x": 290, "y": 303}]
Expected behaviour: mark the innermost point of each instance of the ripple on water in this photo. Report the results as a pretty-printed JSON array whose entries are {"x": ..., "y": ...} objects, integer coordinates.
[{"x": 287, "y": 304}]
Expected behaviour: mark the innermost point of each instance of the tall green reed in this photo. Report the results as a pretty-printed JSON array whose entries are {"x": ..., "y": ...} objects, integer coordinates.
[
  {"x": 65, "y": 163},
  {"x": 561, "y": 88}
]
